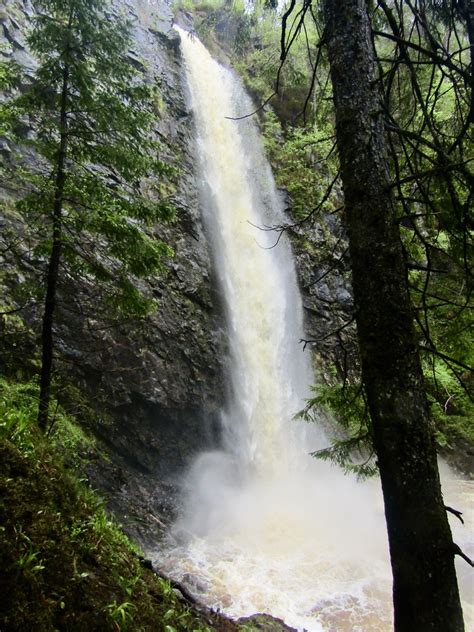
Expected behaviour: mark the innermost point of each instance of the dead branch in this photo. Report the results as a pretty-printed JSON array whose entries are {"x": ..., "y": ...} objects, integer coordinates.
[
  {"x": 336, "y": 332},
  {"x": 458, "y": 551},
  {"x": 455, "y": 512}
]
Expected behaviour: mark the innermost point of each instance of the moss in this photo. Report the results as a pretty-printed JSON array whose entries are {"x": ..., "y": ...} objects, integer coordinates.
[{"x": 65, "y": 564}]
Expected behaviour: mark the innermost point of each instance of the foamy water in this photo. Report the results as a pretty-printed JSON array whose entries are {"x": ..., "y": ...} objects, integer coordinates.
[
  {"x": 264, "y": 527},
  {"x": 307, "y": 548},
  {"x": 311, "y": 550}
]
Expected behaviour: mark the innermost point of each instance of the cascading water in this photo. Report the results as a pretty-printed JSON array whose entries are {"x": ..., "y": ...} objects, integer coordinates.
[{"x": 265, "y": 528}]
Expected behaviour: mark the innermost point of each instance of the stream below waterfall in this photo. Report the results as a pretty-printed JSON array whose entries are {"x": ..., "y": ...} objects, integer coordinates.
[{"x": 264, "y": 527}]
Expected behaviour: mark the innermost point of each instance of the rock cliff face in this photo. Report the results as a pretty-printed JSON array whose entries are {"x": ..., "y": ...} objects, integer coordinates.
[
  {"x": 155, "y": 386},
  {"x": 323, "y": 266}
]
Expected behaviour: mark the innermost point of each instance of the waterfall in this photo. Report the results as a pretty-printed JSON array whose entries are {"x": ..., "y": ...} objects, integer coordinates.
[
  {"x": 268, "y": 371},
  {"x": 264, "y": 527}
]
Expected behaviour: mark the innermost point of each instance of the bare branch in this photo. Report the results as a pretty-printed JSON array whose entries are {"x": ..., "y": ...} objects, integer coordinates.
[
  {"x": 458, "y": 551},
  {"x": 455, "y": 512}
]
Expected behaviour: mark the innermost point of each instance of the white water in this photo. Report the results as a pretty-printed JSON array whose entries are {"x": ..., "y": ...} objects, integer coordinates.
[{"x": 265, "y": 528}]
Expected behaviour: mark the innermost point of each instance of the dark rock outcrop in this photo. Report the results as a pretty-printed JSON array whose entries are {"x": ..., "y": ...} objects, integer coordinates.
[
  {"x": 265, "y": 623},
  {"x": 323, "y": 268}
]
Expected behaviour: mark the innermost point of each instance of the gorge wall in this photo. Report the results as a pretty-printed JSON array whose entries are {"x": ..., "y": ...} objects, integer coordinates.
[{"x": 154, "y": 388}]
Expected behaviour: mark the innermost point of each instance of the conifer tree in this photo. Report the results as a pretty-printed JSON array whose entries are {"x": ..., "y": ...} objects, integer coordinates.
[
  {"x": 425, "y": 590},
  {"x": 92, "y": 116}
]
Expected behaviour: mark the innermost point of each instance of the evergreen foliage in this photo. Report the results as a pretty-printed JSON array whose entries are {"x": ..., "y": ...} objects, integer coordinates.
[
  {"x": 92, "y": 198},
  {"x": 353, "y": 450},
  {"x": 110, "y": 149}
]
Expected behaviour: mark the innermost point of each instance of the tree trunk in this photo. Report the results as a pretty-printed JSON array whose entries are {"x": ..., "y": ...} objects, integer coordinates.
[
  {"x": 47, "y": 344},
  {"x": 466, "y": 9},
  {"x": 425, "y": 591}
]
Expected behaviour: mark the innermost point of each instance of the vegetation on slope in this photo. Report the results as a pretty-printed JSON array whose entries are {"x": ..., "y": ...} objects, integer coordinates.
[{"x": 65, "y": 564}]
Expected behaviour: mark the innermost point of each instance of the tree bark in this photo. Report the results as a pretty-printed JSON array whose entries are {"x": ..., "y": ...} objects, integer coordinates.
[
  {"x": 425, "y": 591},
  {"x": 466, "y": 9},
  {"x": 47, "y": 343}
]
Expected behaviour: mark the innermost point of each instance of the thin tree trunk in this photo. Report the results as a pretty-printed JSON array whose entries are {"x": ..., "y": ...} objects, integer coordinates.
[
  {"x": 47, "y": 343},
  {"x": 425, "y": 591}
]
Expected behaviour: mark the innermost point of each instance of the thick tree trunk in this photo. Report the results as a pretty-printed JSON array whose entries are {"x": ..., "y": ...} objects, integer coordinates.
[
  {"x": 47, "y": 343},
  {"x": 425, "y": 588}
]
